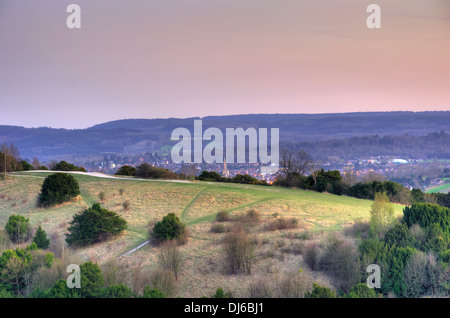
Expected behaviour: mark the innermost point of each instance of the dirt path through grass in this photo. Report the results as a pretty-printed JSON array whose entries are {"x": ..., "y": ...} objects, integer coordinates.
[
  {"x": 211, "y": 216},
  {"x": 188, "y": 206}
]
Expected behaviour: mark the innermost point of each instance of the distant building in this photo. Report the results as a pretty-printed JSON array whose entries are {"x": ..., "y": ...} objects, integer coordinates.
[
  {"x": 225, "y": 171},
  {"x": 401, "y": 161}
]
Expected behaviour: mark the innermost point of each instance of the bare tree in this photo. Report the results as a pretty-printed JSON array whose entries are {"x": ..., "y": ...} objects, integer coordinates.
[
  {"x": 10, "y": 158},
  {"x": 36, "y": 164},
  {"x": 188, "y": 169},
  {"x": 294, "y": 163},
  {"x": 5, "y": 162},
  {"x": 239, "y": 252},
  {"x": 293, "y": 284},
  {"x": 314, "y": 171},
  {"x": 52, "y": 164},
  {"x": 113, "y": 272},
  {"x": 170, "y": 257},
  {"x": 373, "y": 176}
]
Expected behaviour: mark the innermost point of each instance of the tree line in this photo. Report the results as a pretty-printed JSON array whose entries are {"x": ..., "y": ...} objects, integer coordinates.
[{"x": 299, "y": 170}]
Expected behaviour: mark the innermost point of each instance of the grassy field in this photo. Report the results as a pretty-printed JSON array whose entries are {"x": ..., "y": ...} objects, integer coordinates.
[
  {"x": 197, "y": 204},
  {"x": 445, "y": 188}
]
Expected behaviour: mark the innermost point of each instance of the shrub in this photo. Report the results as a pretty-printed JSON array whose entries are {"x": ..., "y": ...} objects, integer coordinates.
[
  {"x": 416, "y": 274},
  {"x": 250, "y": 218},
  {"x": 94, "y": 225},
  {"x": 426, "y": 214},
  {"x": 311, "y": 255},
  {"x": 64, "y": 166},
  {"x": 399, "y": 235},
  {"x": 359, "y": 230},
  {"x": 260, "y": 288},
  {"x": 418, "y": 234},
  {"x": 152, "y": 293},
  {"x": 210, "y": 176},
  {"x": 18, "y": 228},
  {"x": 437, "y": 240},
  {"x": 239, "y": 252},
  {"x": 41, "y": 239},
  {"x": 148, "y": 171},
  {"x": 340, "y": 258},
  {"x": 220, "y": 293},
  {"x": 381, "y": 215},
  {"x": 113, "y": 272},
  {"x": 46, "y": 276},
  {"x": 102, "y": 196},
  {"x": 169, "y": 228},
  {"x": 126, "y": 205},
  {"x": 282, "y": 224},
  {"x": 392, "y": 265},
  {"x": 218, "y": 228},
  {"x": 13, "y": 266},
  {"x": 60, "y": 290},
  {"x": 126, "y": 171},
  {"x": 91, "y": 280},
  {"x": 116, "y": 291},
  {"x": 58, "y": 188},
  {"x": 362, "y": 291},
  {"x": 222, "y": 216},
  {"x": 170, "y": 257},
  {"x": 293, "y": 285},
  {"x": 164, "y": 281},
  {"x": 5, "y": 242},
  {"x": 320, "y": 292}
]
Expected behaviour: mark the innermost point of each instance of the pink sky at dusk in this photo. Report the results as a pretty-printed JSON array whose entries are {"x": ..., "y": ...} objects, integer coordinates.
[{"x": 159, "y": 59}]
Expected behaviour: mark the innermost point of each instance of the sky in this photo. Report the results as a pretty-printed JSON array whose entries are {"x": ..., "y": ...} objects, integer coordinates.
[{"x": 186, "y": 58}]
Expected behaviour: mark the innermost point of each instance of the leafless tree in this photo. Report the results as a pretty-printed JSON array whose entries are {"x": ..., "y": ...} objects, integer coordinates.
[
  {"x": 10, "y": 158},
  {"x": 170, "y": 257},
  {"x": 239, "y": 252},
  {"x": 293, "y": 284},
  {"x": 164, "y": 281},
  {"x": 113, "y": 272},
  {"x": 294, "y": 163},
  {"x": 349, "y": 178},
  {"x": 52, "y": 164},
  {"x": 314, "y": 171},
  {"x": 188, "y": 169},
  {"x": 36, "y": 164},
  {"x": 5, "y": 159}
]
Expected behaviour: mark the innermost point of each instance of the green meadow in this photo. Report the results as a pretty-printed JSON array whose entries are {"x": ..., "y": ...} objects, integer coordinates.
[{"x": 445, "y": 188}]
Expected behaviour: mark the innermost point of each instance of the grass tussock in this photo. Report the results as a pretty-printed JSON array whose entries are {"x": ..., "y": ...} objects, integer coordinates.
[{"x": 280, "y": 224}]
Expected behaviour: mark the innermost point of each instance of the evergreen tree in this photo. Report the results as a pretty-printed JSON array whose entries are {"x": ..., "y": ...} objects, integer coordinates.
[
  {"x": 58, "y": 188},
  {"x": 169, "y": 228},
  {"x": 41, "y": 239},
  {"x": 94, "y": 225}
]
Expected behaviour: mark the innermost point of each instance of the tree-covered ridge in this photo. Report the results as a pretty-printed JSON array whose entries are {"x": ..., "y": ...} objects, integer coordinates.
[{"x": 149, "y": 135}]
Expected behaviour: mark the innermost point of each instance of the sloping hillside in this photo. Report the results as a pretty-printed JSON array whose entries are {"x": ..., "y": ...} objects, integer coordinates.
[{"x": 197, "y": 204}]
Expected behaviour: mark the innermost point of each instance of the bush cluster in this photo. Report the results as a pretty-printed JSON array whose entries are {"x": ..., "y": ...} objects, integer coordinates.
[
  {"x": 94, "y": 225},
  {"x": 58, "y": 188}
]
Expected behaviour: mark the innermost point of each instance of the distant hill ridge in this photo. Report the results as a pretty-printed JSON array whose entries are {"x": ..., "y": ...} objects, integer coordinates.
[{"x": 149, "y": 135}]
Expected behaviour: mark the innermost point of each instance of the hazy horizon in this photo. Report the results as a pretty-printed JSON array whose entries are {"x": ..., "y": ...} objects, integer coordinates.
[{"x": 197, "y": 58}]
